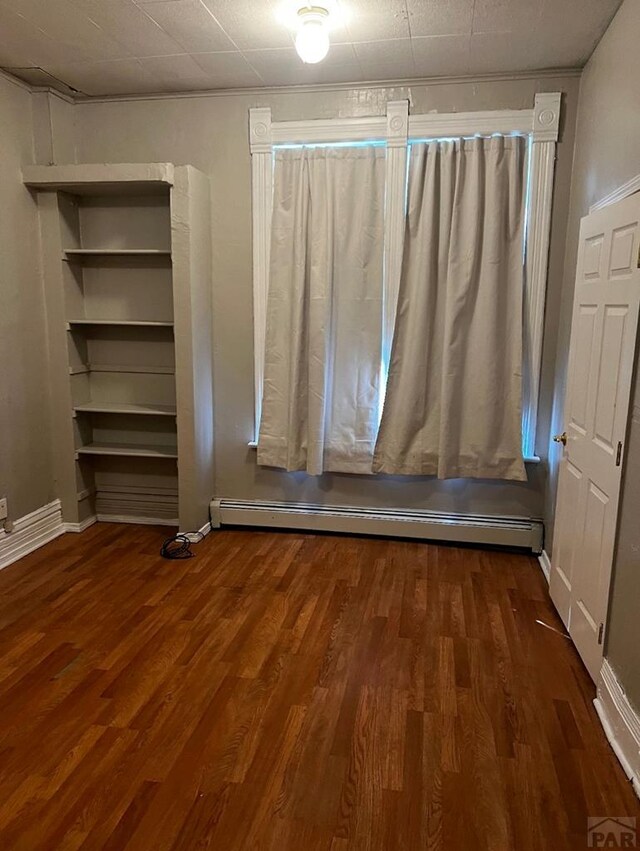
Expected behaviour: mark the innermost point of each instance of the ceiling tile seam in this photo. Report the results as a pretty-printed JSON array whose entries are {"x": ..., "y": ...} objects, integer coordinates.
[
  {"x": 407, "y": 18},
  {"x": 411, "y": 45},
  {"x": 207, "y": 10},
  {"x": 473, "y": 17},
  {"x": 109, "y": 36},
  {"x": 475, "y": 31},
  {"x": 246, "y": 54},
  {"x": 238, "y": 53},
  {"x": 184, "y": 49},
  {"x": 166, "y": 32},
  {"x": 354, "y": 53},
  {"x": 155, "y": 23},
  {"x": 140, "y": 59},
  {"x": 243, "y": 53},
  {"x": 345, "y": 21},
  {"x": 413, "y": 56},
  {"x": 233, "y": 42},
  {"x": 356, "y": 59},
  {"x": 32, "y": 25}
]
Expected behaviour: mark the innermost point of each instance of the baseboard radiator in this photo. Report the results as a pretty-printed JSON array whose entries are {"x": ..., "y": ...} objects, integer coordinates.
[
  {"x": 137, "y": 505},
  {"x": 402, "y": 523}
]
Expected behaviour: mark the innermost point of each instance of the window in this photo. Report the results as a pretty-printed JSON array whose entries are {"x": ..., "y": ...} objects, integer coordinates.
[{"x": 396, "y": 131}]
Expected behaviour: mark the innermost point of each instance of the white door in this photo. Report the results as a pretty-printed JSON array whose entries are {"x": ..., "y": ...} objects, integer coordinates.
[{"x": 601, "y": 357}]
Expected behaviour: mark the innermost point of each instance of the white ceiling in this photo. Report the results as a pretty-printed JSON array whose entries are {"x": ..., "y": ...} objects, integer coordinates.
[{"x": 111, "y": 47}]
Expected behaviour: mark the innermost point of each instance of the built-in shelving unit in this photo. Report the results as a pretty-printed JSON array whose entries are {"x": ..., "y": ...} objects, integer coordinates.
[{"x": 126, "y": 259}]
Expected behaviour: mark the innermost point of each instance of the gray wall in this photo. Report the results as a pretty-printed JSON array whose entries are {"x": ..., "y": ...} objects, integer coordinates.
[
  {"x": 25, "y": 452},
  {"x": 607, "y": 155},
  {"x": 210, "y": 132}
]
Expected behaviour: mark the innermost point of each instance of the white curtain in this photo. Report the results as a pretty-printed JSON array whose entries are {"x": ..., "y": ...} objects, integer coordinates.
[
  {"x": 453, "y": 405},
  {"x": 321, "y": 391}
]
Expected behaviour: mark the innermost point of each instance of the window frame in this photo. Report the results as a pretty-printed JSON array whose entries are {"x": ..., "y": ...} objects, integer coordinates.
[{"x": 397, "y": 129}]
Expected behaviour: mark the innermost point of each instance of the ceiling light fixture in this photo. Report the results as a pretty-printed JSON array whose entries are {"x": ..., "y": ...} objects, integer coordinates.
[{"x": 312, "y": 39}]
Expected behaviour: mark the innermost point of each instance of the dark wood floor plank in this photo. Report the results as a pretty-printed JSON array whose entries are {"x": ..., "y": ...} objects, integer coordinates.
[{"x": 288, "y": 691}]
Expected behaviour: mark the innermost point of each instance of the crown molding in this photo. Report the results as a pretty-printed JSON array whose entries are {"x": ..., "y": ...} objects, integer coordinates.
[
  {"x": 618, "y": 194},
  {"x": 405, "y": 82},
  {"x": 5, "y": 75},
  {"x": 27, "y": 87},
  {"x": 54, "y": 92},
  {"x": 259, "y": 91}
]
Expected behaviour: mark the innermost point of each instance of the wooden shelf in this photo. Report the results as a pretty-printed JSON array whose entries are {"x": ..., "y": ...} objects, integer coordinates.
[
  {"x": 145, "y": 410},
  {"x": 132, "y": 323},
  {"x": 116, "y": 252},
  {"x": 128, "y": 450},
  {"x": 102, "y": 178},
  {"x": 125, "y": 367}
]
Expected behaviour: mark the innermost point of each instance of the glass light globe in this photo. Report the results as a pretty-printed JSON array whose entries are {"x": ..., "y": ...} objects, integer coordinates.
[{"x": 312, "y": 39}]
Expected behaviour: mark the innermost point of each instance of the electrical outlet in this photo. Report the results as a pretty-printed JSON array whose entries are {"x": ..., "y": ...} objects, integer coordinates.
[{"x": 4, "y": 511}]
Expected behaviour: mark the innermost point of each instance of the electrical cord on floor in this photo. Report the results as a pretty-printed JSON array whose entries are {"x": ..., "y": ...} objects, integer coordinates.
[{"x": 179, "y": 546}]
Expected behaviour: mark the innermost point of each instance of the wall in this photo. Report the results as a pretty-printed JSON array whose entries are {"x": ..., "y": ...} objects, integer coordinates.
[
  {"x": 53, "y": 128},
  {"x": 210, "y": 132},
  {"x": 25, "y": 453},
  {"x": 607, "y": 155}
]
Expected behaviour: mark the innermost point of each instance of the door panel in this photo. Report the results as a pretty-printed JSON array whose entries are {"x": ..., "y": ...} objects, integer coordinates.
[
  {"x": 601, "y": 356},
  {"x": 585, "y": 328},
  {"x": 592, "y": 256},
  {"x": 569, "y": 496},
  {"x": 622, "y": 240},
  {"x": 609, "y": 375},
  {"x": 586, "y": 581}
]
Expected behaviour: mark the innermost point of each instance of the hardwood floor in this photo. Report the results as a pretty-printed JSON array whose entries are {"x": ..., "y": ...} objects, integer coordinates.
[{"x": 289, "y": 691}]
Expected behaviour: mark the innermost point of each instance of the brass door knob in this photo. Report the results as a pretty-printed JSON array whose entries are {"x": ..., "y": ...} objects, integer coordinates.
[{"x": 561, "y": 438}]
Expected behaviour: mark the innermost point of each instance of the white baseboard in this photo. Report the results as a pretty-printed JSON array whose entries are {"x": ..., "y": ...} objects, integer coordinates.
[
  {"x": 621, "y": 723},
  {"x": 80, "y": 527},
  {"x": 403, "y": 523},
  {"x": 196, "y": 537},
  {"x": 545, "y": 565},
  {"x": 30, "y": 532}
]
